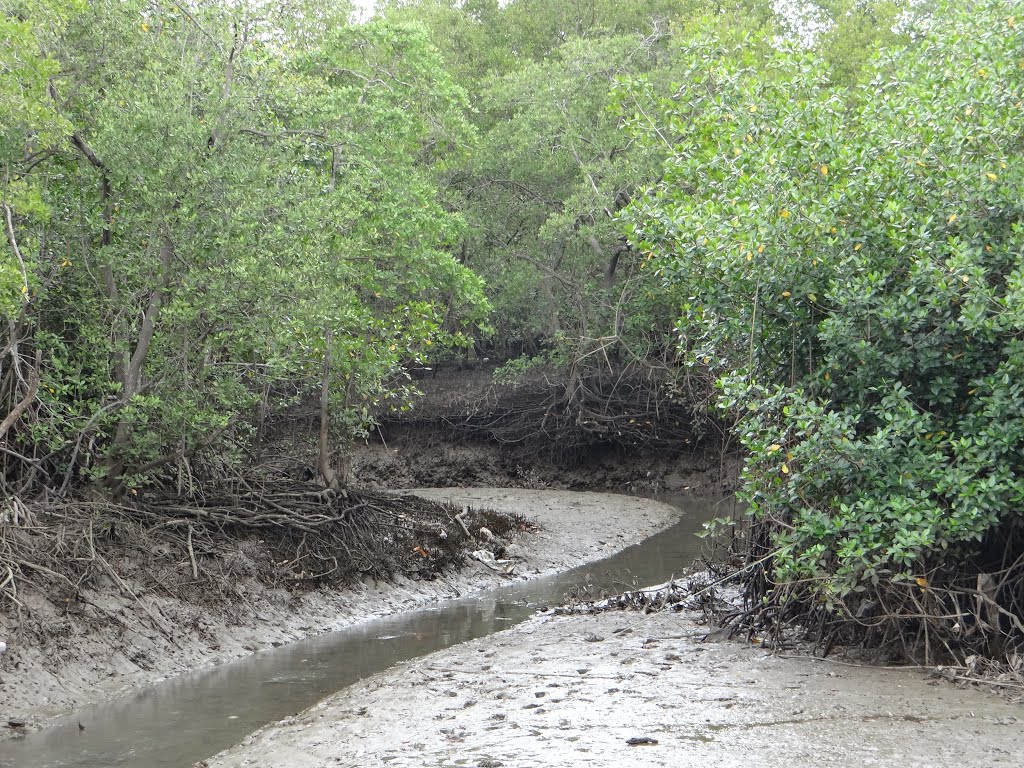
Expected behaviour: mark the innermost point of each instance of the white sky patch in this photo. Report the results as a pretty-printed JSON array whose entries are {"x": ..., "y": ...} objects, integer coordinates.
[
  {"x": 364, "y": 8},
  {"x": 804, "y": 21}
]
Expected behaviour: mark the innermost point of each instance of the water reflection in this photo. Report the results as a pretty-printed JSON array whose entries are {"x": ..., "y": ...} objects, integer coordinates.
[{"x": 189, "y": 718}]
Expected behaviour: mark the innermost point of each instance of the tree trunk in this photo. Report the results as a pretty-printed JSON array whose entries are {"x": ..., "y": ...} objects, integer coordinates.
[
  {"x": 327, "y": 472},
  {"x": 130, "y": 376}
]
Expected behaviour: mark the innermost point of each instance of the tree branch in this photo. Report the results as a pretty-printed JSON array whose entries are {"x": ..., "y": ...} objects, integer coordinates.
[
  {"x": 13, "y": 242},
  {"x": 22, "y": 406}
]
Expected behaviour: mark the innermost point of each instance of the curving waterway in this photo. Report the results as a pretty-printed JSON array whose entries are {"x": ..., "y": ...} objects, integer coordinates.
[{"x": 190, "y": 718}]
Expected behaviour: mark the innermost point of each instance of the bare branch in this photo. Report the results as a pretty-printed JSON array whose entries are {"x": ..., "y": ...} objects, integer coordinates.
[{"x": 13, "y": 242}]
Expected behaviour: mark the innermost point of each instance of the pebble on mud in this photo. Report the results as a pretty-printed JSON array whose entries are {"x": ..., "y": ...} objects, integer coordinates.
[{"x": 637, "y": 741}]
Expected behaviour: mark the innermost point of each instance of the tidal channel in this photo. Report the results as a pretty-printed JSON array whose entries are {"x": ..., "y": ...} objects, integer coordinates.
[{"x": 191, "y": 717}]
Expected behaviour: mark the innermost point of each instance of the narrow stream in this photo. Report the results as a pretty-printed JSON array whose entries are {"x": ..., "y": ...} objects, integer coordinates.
[{"x": 192, "y": 717}]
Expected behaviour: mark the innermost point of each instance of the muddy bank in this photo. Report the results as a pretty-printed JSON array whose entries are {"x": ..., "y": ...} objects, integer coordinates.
[
  {"x": 575, "y": 690},
  {"x": 422, "y": 456},
  {"x": 71, "y": 662},
  {"x": 468, "y": 430}
]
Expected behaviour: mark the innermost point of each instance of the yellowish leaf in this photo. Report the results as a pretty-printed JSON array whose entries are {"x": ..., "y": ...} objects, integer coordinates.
[
  {"x": 965, "y": 278},
  {"x": 774, "y": 447},
  {"x": 786, "y": 294},
  {"x": 824, "y": 170},
  {"x": 784, "y": 213},
  {"x": 992, "y": 176},
  {"x": 951, "y": 219},
  {"x": 753, "y": 108},
  {"x": 785, "y": 469},
  {"x": 760, "y": 248},
  {"x": 858, "y": 246},
  {"x": 812, "y": 297},
  {"x": 922, "y": 582}
]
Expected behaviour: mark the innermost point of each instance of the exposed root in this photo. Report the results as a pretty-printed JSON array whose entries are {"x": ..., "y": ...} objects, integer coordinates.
[
  {"x": 563, "y": 412},
  {"x": 962, "y": 617},
  {"x": 295, "y": 537}
]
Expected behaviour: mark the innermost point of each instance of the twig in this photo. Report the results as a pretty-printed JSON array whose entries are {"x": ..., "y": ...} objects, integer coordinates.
[
  {"x": 192, "y": 554},
  {"x": 462, "y": 524},
  {"x": 838, "y": 662},
  {"x": 120, "y": 582},
  {"x": 983, "y": 681}
]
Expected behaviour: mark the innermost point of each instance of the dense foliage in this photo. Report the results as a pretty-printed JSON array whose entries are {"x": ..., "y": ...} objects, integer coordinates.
[
  {"x": 220, "y": 216},
  {"x": 552, "y": 169},
  {"x": 850, "y": 269},
  {"x": 216, "y": 209}
]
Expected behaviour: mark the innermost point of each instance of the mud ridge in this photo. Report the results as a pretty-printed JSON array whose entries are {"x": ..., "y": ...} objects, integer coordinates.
[{"x": 69, "y": 661}]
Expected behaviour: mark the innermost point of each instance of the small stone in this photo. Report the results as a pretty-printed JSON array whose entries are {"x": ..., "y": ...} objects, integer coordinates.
[{"x": 637, "y": 741}]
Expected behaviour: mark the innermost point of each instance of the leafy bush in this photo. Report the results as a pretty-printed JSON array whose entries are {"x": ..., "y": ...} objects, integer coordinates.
[{"x": 850, "y": 263}]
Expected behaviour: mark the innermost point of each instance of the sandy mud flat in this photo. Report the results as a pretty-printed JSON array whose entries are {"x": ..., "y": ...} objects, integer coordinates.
[
  {"x": 73, "y": 667},
  {"x": 624, "y": 689}
]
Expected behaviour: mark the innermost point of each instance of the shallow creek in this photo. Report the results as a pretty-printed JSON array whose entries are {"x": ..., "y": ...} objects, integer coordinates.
[{"x": 191, "y": 717}]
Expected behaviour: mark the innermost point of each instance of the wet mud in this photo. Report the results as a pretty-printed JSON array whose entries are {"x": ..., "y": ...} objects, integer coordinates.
[
  {"x": 73, "y": 665},
  {"x": 626, "y": 689}
]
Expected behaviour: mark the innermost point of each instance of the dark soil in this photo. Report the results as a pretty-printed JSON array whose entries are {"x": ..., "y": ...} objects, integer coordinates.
[
  {"x": 439, "y": 444},
  {"x": 416, "y": 456}
]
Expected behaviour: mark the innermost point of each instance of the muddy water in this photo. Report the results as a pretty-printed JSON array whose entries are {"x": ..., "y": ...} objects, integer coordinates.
[{"x": 192, "y": 717}]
